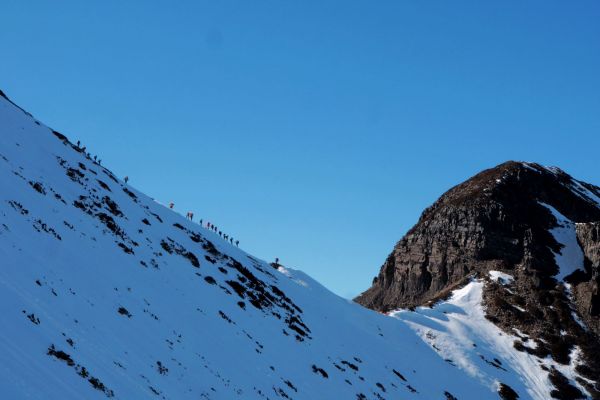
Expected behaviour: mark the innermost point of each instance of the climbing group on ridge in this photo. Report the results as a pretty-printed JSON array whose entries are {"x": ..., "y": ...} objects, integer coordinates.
[
  {"x": 190, "y": 215},
  {"x": 223, "y": 235},
  {"x": 83, "y": 150}
]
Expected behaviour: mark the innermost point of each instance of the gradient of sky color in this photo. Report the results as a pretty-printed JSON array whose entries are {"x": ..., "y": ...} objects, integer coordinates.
[{"x": 313, "y": 131}]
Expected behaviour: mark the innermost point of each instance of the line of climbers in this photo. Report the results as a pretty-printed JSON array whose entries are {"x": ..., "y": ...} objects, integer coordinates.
[
  {"x": 216, "y": 230},
  {"x": 190, "y": 215},
  {"x": 88, "y": 155}
]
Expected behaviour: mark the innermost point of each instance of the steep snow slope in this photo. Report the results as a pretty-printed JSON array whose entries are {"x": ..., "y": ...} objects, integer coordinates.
[
  {"x": 570, "y": 258},
  {"x": 106, "y": 293},
  {"x": 460, "y": 332}
]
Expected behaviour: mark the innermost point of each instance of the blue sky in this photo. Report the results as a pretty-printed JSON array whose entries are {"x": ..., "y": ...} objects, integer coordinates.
[{"x": 313, "y": 131}]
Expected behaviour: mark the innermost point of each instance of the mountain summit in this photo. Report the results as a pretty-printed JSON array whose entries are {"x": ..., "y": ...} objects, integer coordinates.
[
  {"x": 537, "y": 225},
  {"x": 105, "y": 293}
]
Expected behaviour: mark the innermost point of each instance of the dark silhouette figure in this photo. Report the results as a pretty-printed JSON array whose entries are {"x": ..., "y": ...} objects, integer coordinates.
[
  {"x": 171, "y": 205},
  {"x": 237, "y": 243},
  {"x": 78, "y": 143},
  {"x": 126, "y": 179},
  {"x": 275, "y": 264}
]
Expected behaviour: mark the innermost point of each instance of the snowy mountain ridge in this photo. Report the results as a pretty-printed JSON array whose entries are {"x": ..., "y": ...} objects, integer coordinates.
[
  {"x": 535, "y": 231},
  {"x": 105, "y": 293}
]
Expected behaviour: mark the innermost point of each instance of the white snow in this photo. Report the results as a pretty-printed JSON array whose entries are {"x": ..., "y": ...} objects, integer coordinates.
[
  {"x": 530, "y": 166},
  {"x": 576, "y": 317},
  {"x": 124, "y": 301},
  {"x": 570, "y": 258},
  {"x": 553, "y": 169},
  {"x": 575, "y": 186},
  {"x": 184, "y": 332},
  {"x": 501, "y": 277},
  {"x": 458, "y": 330},
  {"x": 569, "y": 370},
  {"x": 541, "y": 168},
  {"x": 531, "y": 344},
  {"x": 578, "y": 320},
  {"x": 584, "y": 192}
]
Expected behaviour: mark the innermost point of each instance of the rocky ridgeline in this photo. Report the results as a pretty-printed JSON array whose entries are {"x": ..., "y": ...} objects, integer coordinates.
[
  {"x": 496, "y": 221},
  {"x": 587, "y": 291}
]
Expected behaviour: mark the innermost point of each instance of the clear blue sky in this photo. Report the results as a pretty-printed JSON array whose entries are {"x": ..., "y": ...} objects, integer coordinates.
[{"x": 315, "y": 131}]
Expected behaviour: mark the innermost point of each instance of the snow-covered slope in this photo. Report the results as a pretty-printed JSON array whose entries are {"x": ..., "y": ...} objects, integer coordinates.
[
  {"x": 570, "y": 258},
  {"x": 106, "y": 293},
  {"x": 459, "y": 330}
]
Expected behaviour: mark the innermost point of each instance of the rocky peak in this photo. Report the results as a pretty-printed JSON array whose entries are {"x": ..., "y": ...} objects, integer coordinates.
[
  {"x": 514, "y": 180},
  {"x": 537, "y": 224},
  {"x": 495, "y": 219}
]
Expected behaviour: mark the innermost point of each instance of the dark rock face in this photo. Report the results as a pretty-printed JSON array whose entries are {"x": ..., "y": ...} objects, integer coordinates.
[
  {"x": 492, "y": 221},
  {"x": 495, "y": 221},
  {"x": 587, "y": 290}
]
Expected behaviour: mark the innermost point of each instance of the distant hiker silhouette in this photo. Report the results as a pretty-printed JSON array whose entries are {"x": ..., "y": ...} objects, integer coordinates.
[
  {"x": 126, "y": 179},
  {"x": 190, "y": 215},
  {"x": 275, "y": 264},
  {"x": 78, "y": 143},
  {"x": 171, "y": 205},
  {"x": 237, "y": 243}
]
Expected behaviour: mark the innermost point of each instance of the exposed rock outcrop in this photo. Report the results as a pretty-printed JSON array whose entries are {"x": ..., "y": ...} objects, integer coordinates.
[
  {"x": 505, "y": 219},
  {"x": 587, "y": 290}
]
